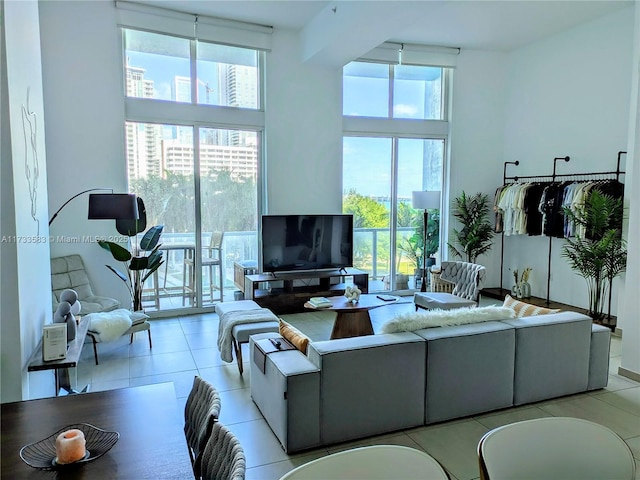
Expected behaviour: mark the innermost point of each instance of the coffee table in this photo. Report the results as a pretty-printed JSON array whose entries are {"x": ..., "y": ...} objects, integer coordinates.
[{"x": 353, "y": 320}]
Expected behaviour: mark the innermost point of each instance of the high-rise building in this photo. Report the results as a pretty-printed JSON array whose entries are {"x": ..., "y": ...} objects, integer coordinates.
[{"x": 143, "y": 140}]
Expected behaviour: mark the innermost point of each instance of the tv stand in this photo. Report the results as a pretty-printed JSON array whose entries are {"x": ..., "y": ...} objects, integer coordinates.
[{"x": 288, "y": 292}]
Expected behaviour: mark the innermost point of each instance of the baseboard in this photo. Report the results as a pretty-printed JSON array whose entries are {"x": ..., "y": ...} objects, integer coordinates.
[{"x": 629, "y": 374}]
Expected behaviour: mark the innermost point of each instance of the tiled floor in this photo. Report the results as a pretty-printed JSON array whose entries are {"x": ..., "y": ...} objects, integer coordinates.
[{"x": 186, "y": 346}]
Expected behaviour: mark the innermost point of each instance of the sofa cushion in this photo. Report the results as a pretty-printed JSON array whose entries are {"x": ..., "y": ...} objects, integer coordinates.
[
  {"x": 552, "y": 356},
  {"x": 470, "y": 369},
  {"x": 524, "y": 309},
  {"x": 413, "y": 321},
  {"x": 295, "y": 336}
]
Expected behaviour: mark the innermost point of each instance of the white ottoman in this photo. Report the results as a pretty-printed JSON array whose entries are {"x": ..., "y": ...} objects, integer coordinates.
[
  {"x": 240, "y": 333},
  {"x": 443, "y": 301}
]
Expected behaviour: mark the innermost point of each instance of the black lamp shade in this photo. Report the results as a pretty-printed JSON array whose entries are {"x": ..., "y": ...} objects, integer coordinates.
[{"x": 110, "y": 206}]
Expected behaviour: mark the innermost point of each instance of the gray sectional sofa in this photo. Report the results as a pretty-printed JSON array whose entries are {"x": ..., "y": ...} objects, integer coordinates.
[{"x": 357, "y": 387}]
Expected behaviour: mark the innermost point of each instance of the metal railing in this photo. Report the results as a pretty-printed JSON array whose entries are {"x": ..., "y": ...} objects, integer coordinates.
[{"x": 371, "y": 254}]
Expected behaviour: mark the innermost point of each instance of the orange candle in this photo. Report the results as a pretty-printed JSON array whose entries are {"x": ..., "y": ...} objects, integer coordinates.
[{"x": 70, "y": 446}]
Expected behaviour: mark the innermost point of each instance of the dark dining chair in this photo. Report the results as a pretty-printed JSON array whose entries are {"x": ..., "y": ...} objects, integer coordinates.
[
  {"x": 223, "y": 456},
  {"x": 201, "y": 412}
]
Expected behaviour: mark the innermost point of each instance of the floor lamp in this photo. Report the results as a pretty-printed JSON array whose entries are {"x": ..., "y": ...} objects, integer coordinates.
[
  {"x": 423, "y": 201},
  {"x": 106, "y": 206}
]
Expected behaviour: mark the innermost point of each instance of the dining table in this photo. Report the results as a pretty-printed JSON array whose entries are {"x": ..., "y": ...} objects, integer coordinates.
[{"x": 151, "y": 443}]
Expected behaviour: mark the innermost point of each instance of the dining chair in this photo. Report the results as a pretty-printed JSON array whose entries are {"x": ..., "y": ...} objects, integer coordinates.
[
  {"x": 200, "y": 413},
  {"x": 371, "y": 463},
  {"x": 223, "y": 456},
  {"x": 553, "y": 448},
  {"x": 212, "y": 259}
]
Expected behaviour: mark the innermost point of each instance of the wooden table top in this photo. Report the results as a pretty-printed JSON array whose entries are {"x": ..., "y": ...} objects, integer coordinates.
[{"x": 151, "y": 445}]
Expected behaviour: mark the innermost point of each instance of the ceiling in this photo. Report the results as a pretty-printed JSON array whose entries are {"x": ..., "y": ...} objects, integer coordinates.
[{"x": 329, "y": 27}]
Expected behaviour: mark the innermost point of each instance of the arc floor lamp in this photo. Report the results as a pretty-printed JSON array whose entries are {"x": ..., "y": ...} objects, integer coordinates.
[{"x": 106, "y": 206}]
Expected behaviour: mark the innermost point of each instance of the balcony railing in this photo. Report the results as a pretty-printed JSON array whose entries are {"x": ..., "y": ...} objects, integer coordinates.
[{"x": 370, "y": 254}]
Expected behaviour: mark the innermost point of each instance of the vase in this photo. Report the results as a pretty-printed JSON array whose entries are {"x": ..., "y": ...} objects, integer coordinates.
[
  {"x": 525, "y": 289},
  {"x": 515, "y": 291}
]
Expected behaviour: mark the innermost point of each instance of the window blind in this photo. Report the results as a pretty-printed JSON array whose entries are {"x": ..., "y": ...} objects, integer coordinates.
[{"x": 212, "y": 29}]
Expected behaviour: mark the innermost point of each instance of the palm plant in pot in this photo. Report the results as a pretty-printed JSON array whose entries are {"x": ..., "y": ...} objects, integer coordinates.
[
  {"x": 142, "y": 260},
  {"x": 476, "y": 235},
  {"x": 598, "y": 251},
  {"x": 413, "y": 246}
]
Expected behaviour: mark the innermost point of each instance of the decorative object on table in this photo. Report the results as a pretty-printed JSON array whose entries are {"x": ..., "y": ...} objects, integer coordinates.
[
  {"x": 43, "y": 454},
  {"x": 352, "y": 294},
  {"x": 476, "y": 236},
  {"x": 70, "y": 447},
  {"x": 138, "y": 266},
  {"x": 521, "y": 288},
  {"x": 106, "y": 206},
  {"x": 319, "y": 302},
  {"x": 430, "y": 238},
  {"x": 68, "y": 307},
  {"x": 54, "y": 342},
  {"x": 597, "y": 252}
]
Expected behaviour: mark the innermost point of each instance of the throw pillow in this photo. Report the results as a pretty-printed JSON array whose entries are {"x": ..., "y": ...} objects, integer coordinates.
[
  {"x": 138, "y": 317},
  {"x": 295, "y": 336},
  {"x": 523, "y": 309}
]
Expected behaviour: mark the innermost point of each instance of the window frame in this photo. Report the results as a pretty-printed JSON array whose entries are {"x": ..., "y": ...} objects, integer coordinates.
[
  {"x": 397, "y": 128},
  {"x": 198, "y": 116}
]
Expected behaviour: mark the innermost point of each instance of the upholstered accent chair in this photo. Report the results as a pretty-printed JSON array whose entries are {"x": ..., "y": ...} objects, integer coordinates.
[
  {"x": 467, "y": 278},
  {"x": 69, "y": 272}
]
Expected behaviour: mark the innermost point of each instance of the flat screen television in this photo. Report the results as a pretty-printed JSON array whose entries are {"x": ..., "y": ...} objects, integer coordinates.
[{"x": 306, "y": 242}]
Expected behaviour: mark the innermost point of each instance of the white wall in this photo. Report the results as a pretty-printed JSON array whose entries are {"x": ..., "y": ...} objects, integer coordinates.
[
  {"x": 476, "y": 134},
  {"x": 26, "y": 295},
  {"x": 304, "y": 143},
  {"x": 84, "y": 102},
  {"x": 566, "y": 95},
  {"x": 630, "y": 303}
]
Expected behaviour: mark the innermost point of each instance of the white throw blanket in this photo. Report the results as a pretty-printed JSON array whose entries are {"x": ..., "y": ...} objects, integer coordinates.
[
  {"x": 231, "y": 319},
  {"x": 110, "y": 326},
  {"x": 410, "y": 322}
]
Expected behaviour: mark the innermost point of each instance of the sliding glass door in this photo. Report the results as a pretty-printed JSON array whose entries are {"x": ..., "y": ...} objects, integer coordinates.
[
  {"x": 210, "y": 189},
  {"x": 379, "y": 175}
]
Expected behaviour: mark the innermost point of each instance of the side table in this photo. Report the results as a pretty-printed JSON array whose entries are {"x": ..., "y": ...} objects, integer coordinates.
[{"x": 61, "y": 367}]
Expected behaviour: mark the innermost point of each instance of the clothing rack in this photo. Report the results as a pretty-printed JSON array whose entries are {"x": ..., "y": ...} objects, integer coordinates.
[{"x": 551, "y": 178}]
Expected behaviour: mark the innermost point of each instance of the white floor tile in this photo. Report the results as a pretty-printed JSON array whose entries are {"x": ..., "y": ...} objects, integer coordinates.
[{"x": 158, "y": 364}]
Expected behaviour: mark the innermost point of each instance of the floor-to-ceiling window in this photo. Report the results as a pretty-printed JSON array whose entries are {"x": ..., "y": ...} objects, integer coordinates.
[
  {"x": 194, "y": 127},
  {"x": 395, "y": 135}
]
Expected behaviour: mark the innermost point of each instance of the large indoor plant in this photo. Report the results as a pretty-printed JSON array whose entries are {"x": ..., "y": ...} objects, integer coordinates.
[
  {"x": 598, "y": 251},
  {"x": 142, "y": 260},
  {"x": 476, "y": 235}
]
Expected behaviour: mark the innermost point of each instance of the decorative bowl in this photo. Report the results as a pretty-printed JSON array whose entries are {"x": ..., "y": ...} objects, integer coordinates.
[{"x": 42, "y": 454}]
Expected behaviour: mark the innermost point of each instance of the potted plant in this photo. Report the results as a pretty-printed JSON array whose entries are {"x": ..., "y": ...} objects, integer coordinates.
[
  {"x": 476, "y": 235},
  {"x": 413, "y": 246},
  {"x": 597, "y": 252},
  {"x": 144, "y": 257}
]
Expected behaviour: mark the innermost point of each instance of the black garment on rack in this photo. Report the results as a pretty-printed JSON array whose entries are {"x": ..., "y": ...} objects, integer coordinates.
[
  {"x": 531, "y": 202},
  {"x": 553, "y": 216}
]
